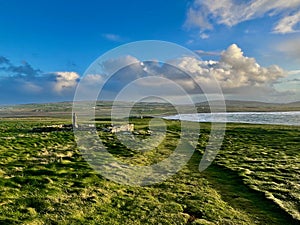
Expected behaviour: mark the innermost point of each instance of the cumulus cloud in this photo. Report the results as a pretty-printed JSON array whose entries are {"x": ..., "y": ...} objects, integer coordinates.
[
  {"x": 237, "y": 74},
  {"x": 233, "y": 70},
  {"x": 247, "y": 70},
  {"x": 65, "y": 81},
  {"x": 23, "y": 83},
  {"x": 203, "y": 14}
]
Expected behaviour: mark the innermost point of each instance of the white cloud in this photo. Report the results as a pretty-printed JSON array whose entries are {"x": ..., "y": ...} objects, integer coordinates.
[
  {"x": 294, "y": 72},
  {"x": 239, "y": 76},
  {"x": 202, "y": 14},
  {"x": 92, "y": 79},
  {"x": 23, "y": 83},
  {"x": 65, "y": 81},
  {"x": 234, "y": 70},
  {"x": 197, "y": 18},
  {"x": 111, "y": 66},
  {"x": 28, "y": 86},
  {"x": 204, "y": 36},
  {"x": 112, "y": 37},
  {"x": 287, "y": 24},
  {"x": 207, "y": 53},
  {"x": 90, "y": 85},
  {"x": 58, "y": 86},
  {"x": 290, "y": 48}
]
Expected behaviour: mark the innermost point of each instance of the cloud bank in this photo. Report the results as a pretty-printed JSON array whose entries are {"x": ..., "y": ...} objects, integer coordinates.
[
  {"x": 239, "y": 76},
  {"x": 23, "y": 84}
]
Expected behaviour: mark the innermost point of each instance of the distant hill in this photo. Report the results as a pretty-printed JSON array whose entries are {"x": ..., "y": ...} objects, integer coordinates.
[
  {"x": 296, "y": 104},
  {"x": 64, "y": 109},
  {"x": 252, "y": 106}
]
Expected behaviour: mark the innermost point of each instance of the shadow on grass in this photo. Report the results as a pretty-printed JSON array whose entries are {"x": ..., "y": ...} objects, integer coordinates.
[{"x": 241, "y": 197}]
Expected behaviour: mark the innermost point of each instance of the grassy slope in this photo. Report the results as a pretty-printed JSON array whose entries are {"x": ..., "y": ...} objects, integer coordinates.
[{"x": 44, "y": 180}]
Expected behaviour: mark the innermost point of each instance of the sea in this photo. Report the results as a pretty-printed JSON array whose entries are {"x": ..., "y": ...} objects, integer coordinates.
[{"x": 280, "y": 118}]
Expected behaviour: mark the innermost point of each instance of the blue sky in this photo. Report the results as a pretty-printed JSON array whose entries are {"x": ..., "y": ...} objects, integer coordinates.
[{"x": 45, "y": 46}]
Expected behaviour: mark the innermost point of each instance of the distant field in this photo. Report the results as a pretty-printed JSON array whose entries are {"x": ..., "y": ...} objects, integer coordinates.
[
  {"x": 45, "y": 180},
  {"x": 102, "y": 108}
]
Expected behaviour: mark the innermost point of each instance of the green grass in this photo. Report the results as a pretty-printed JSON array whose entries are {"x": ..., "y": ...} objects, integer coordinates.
[
  {"x": 45, "y": 180},
  {"x": 268, "y": 160}
]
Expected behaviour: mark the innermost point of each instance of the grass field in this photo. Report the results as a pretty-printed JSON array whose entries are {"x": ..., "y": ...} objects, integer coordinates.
[{"x": 45, "y": 180}]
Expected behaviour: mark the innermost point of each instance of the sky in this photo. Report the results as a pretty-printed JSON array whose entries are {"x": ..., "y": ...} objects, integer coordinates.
[{"x": 252, "y": 48}]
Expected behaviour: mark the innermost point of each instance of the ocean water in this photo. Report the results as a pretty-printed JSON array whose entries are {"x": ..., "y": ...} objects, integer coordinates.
[{"x": 280, "y": 118}]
